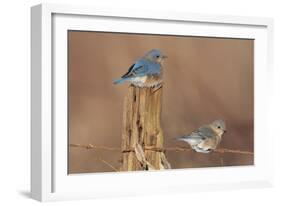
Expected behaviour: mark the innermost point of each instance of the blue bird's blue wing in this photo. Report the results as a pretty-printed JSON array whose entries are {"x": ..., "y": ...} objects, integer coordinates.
[
  {"x": 140, "y": 68},
  {"x": 140, "y": 71},
  {"x": 129, "y": 71},
  {"x": 125, "y": 76}
]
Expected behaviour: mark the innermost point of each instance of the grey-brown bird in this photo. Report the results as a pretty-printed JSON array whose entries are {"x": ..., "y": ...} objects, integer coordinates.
[{"x": 206, "y": 138}]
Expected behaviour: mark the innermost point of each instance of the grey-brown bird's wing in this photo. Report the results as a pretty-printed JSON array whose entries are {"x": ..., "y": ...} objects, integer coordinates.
[
  {"x": 201, "y": 133},
  {"x": 206, "y": 131},
  {"x": 209, "y": 140},
  {"x": 197, "y": 136}
]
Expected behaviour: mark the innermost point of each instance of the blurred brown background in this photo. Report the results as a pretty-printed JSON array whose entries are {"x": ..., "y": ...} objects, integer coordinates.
[{"x": 205, "y": 79}]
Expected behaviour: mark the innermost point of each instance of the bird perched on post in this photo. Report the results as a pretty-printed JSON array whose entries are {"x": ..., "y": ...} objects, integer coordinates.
[
  {"x": 206, "y": 138},
  {"x": 146, "y": 71}
]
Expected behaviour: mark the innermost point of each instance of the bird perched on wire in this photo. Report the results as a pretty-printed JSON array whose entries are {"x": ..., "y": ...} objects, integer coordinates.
[
  {"x": 146, "y": 71},
  {"x": 206, "y": 138}
]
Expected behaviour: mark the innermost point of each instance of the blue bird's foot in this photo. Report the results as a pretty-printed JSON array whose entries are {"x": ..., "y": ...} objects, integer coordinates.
[{"x": 157, "y": 87}]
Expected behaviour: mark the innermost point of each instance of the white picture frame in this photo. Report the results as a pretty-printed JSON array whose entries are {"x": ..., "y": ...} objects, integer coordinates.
[{"x": 49, "y": 178}]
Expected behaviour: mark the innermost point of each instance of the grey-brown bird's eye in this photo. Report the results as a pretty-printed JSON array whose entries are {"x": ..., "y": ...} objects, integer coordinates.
[{"x": 219, "y": 127}]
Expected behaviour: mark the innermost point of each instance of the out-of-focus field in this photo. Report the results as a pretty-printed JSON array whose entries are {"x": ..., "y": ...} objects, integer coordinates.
[{"x": 205, "y": 79}]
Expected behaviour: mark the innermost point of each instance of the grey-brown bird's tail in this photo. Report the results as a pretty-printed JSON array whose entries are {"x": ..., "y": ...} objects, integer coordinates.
[{"x": 180, "y": 138}]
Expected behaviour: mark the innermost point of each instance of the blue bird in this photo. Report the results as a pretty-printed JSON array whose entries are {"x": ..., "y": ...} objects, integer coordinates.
[{"x": 146, "y": 71}]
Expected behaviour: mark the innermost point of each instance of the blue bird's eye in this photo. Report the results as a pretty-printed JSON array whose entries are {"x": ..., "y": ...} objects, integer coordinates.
[{"x": 157, "y": 56}]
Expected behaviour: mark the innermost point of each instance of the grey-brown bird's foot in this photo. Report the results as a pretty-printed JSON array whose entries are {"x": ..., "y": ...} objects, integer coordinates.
[{"x": 198, "y": 149}]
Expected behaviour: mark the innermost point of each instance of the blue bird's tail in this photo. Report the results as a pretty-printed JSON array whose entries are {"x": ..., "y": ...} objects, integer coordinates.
[{"x": 119, "y": 81}]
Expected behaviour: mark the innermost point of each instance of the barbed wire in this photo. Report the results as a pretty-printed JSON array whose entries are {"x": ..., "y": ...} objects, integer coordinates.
[{"x": 177, "y": 149}]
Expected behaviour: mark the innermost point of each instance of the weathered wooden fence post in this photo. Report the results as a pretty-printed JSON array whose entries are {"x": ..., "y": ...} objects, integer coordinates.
[{"x": 142, "y": 135}]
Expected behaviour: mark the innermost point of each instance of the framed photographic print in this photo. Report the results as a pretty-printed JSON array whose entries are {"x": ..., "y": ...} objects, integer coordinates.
[{"x": 138, "y": 102}]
